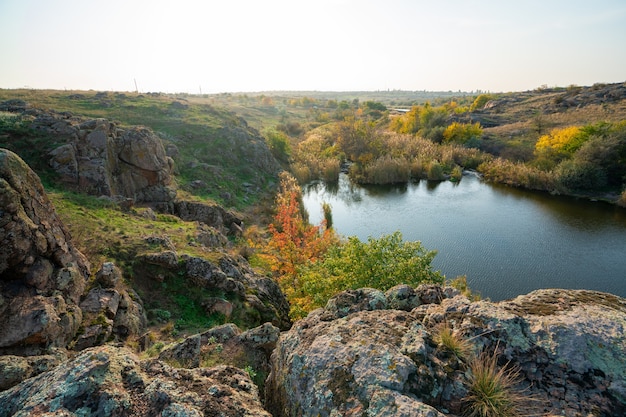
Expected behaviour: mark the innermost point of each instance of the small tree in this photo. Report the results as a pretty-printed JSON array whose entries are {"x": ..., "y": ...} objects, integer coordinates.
[
  {"x": 293, "y": 242},
  {"x": 279, "y": 145},
  {"x": 378, "y": 263}
]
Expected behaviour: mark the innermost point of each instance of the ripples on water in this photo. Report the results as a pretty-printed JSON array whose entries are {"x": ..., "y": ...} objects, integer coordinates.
[{"x": 507, "y": 241}]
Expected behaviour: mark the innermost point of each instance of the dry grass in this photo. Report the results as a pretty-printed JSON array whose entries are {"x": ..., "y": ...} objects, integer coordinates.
[
  {"x": 452, "y": 341},
  {"x": 493, "y": 390}
]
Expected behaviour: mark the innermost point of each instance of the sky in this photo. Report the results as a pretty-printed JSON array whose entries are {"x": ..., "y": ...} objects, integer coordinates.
[{"x": 208, "y": 46}]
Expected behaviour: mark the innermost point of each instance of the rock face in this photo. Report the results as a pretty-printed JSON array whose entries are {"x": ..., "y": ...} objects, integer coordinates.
[
  {"x": 212, "y": 215},
  {"x": 108, "y": 381},
  {"x": 106, "y": 160},
  {"x": 251, "y": 298},
  {"x": 97, "y": 157},
  {"x": 42, "y": 275},
  {"x": 366, "y": 359},
  {"x": 111, "y": 312}
]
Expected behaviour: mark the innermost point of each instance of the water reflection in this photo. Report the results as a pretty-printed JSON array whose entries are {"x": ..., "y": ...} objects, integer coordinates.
[{"x": 507, "y": 241}]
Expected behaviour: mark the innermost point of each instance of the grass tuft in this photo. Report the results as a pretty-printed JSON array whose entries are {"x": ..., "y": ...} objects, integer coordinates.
[
  {"x": 493, "y": 390},
  {"x": 451, "y": 341}
]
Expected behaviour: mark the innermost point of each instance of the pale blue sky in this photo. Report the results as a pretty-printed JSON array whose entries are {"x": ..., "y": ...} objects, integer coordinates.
[{"x": 258, "y": 45}]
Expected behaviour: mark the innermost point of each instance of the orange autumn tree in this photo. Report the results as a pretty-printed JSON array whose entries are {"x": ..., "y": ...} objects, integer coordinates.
[{"x": 294, "y": 242}]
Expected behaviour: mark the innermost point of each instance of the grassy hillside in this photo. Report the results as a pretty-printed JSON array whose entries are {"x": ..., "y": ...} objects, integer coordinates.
[{"x": 218, "y": 155}]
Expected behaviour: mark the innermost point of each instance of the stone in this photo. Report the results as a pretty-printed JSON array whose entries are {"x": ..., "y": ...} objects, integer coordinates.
[
  {"x": 351, "y": 359},
  {"x": 112, "y": 381},
  {"x": 212, "y": 215},
  {"x": 15, "y": 369},
  {"x": 42, "y": 274},
  {"x": 218, "y": 305},
  {"x": 183, "y": 354},
  {"x": 352, "y": 301},
  {"x": 402, "y": 297},
  {"x": 166, "y": 259},
  {"x": 100, "y": 158},
  {"x": 108, "y": 275},
  {"x": 261, "y": 337},
  {"x": 105, "y": 301},
  {"x": 220, "y": 333}
]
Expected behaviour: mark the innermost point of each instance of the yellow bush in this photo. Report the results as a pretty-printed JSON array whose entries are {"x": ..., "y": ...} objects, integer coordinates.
[{"x": 558, "y": 139}]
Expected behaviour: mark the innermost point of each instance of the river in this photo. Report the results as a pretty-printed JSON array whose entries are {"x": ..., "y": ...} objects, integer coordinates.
[{"x": 505, "y": 240}]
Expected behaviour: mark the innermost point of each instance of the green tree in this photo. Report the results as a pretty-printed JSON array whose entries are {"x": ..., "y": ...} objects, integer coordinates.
[
  {"x": 279, "y": 145},
  {"x": 378, "y": 263}
]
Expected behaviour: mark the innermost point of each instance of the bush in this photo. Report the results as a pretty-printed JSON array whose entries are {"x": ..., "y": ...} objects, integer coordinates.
[
  {"x": 480, "y": 102},
  {"x": 279, "y": 145},
  {"x": 387, "y": 170},
  {"x": 581, "y": 175},
  {"x": 517, "y": 174},
  {"x": 378, "y": 263},
  {"x": 447, "y": 339},
  {"x": 435, "y": 171},
  {"x": 462, "y": 133}
]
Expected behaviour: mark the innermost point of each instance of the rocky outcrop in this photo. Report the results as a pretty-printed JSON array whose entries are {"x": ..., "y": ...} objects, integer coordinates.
[
  {"x": 106, "y": 160},
  {"x": 15, "y": 369},
  {"x": 108, "y": 381},
  {"x": 225, "y": 344},
  {"x": 111, "y": 311},
  {"x": 42, "y": 275},
  {"x": 248, "y": 297},
  {"x": 360, "y": 357},
  {"x": 100, "y": 158},
  {"x": 213, "y": 215}
]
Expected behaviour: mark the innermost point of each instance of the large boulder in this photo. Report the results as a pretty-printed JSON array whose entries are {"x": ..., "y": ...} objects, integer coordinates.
[
  {"x": 98, "y": 157},
  {"x": 42, "y": 275},
  {"x": 367, "y": 359},
  {"x": 109, "y": 381},
  {"x": 112, "y": 313},
  {"x": 106, "y": 160}
]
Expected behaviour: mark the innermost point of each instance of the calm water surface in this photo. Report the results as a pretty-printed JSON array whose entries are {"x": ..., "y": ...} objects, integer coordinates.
[{"x": 507, "y": 241}]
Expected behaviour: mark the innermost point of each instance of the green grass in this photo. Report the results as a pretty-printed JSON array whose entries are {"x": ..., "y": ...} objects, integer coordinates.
[
  {"x": 103, "y": 232},
  {"x": 214, "y": 143}
]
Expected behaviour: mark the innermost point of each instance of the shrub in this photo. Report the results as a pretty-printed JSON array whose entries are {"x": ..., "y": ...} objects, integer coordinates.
[
  {"x": 457, "y": 174},
  {"x": 581, "y": 175},
  {"x": 377, "y": 263},
  {"x": 561, "y": 142},
  {"x": 387, "y": 170},
  {"x": 301, "y": 172},
  {"x": 480, "y": 102},
  {"x": 328, "y": 215},
  {"x": 517, "y": 174},
  {"x": 278, "y": 142},
  {"x": 330, "y": 169},
  {"x": 462, "y": 133},
  {"x": 460, "y": 283},
  {"x": 435, "y": 171}
]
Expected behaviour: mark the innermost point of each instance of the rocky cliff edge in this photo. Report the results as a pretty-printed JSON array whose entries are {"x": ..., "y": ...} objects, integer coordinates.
[{"x": 369, "y": 353}]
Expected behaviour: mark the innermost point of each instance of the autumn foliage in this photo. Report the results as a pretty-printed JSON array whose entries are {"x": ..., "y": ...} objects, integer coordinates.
[{"x": 293, "y": 241}]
